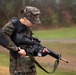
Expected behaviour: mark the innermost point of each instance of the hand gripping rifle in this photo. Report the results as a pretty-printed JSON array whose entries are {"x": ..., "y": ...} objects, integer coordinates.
[{"x": 36, "y": 49}]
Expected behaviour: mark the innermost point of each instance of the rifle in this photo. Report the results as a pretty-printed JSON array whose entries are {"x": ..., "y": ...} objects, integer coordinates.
[{"x": 36, "y": 49}]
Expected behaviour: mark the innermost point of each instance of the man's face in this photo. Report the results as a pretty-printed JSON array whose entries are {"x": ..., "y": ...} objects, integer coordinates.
[{"x": 28, "y": 23}]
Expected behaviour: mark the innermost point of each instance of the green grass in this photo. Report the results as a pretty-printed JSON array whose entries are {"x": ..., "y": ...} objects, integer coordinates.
[
  {"x": 4, "y": 59},
  {"x": 63, "y": 33},
  {"x": 57, "y": 72}
]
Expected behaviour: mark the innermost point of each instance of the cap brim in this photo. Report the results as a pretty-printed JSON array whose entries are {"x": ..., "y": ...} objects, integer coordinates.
[{"x": 37, "y": 21}]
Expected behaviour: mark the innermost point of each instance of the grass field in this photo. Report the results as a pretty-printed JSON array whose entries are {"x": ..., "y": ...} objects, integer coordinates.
[
  {"x": 63, "y": 33},
  {"x": 68, "y": 51}
]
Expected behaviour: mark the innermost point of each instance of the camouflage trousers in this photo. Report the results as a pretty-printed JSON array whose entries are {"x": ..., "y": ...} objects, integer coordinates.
[
  {"x": 22, "y": 73},
  {"x": 22, "y": 66}
]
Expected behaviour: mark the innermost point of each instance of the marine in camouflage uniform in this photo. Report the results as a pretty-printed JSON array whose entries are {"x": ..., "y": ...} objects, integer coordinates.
[{"x": 21, "y": 65}]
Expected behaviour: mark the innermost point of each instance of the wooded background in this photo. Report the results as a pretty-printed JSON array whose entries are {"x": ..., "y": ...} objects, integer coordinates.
[{"x": 54, "y": 13}]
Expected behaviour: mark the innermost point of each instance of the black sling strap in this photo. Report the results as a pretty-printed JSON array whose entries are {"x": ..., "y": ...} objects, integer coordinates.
[{"x": 55, "y": 64}]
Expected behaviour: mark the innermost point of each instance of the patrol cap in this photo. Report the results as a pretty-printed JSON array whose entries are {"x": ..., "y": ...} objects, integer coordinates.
[{"x": 32, "y": 14}]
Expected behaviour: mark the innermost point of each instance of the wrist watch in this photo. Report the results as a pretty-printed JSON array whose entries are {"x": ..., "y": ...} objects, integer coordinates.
[{"x": 18, "y": 49}]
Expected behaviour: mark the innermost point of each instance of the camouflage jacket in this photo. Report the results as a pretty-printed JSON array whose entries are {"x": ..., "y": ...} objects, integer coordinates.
[{"x": 18, "y": 64}]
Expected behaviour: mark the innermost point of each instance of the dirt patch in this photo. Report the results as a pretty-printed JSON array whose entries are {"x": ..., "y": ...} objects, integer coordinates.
[
  {"x": 3, "y": 50},
  {"x": 61, "y": 40},
  {"x": 4, "y": 70}
]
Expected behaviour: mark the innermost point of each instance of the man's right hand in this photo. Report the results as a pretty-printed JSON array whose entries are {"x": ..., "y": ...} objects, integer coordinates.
[{"x": 22, "y": 52}]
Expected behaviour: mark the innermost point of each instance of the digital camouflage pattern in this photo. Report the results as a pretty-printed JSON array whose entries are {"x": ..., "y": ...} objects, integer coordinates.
[{"x": 18, "y": 65}]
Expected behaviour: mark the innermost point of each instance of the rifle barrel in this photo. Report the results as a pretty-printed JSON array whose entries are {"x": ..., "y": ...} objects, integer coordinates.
[
  {"x": 64, "y": 60},
  {"x": 57, "y": 56}
]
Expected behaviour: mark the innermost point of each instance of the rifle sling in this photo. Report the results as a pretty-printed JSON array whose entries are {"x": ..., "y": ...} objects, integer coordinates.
[{"x": 55, "y": 64}]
